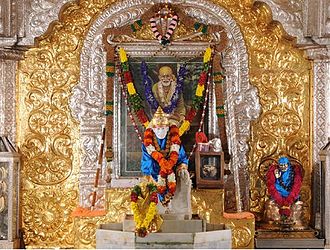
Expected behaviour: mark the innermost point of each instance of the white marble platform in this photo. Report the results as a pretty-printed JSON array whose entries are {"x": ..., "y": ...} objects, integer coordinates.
[
  {"x": 180, "y": 234},
  {"x": 172, "y": 226}
]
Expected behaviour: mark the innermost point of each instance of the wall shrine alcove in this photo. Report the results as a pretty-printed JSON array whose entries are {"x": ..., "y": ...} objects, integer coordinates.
[
  {"x": 62, "y": 83},
  {"x": 242, "y": 101}
]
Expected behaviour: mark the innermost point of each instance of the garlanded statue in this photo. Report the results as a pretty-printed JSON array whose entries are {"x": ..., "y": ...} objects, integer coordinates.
[
  {"x": 163, "y": 159},
  {"x": 162, "y": 155},
  {"x": 284, "y": 183}
]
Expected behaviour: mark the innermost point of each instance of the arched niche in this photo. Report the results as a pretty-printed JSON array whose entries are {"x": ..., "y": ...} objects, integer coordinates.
[{"x": 87, "y": 101}]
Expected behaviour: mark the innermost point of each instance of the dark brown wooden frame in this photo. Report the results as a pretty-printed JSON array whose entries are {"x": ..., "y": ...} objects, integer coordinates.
[{"x": 206, "y": 183}]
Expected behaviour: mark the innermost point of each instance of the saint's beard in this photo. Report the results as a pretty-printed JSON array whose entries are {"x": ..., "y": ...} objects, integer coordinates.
[{"x": 167, "y": 83}]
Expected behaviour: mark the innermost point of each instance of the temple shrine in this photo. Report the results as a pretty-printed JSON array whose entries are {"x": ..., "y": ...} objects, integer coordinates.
[{"x": 164, "y": 124}]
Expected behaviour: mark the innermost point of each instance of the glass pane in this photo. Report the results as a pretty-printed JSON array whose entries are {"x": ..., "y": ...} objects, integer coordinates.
[
  {"x": 4, "y": 166},
  {"x": 210, "y": 167},
  {"x": 130, "y": 144}
]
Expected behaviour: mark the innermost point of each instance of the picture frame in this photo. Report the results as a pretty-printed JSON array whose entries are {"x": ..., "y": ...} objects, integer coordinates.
[
  {"x": 129, "y": 150},
  {"x": 209, "y": 169}
]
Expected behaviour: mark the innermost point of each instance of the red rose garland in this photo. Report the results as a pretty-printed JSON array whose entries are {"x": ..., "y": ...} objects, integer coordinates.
[{"x": 278, "y": 198}]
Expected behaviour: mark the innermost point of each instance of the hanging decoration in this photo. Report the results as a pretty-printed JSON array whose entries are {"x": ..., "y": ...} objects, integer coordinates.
[
  {"x": 124, "y": 93},
  {"x": 134, "y": 99},
  {"x": 142, "y": 225},
  {"x": 164, "y": 40},
  {"x": 198, "y": 98},
  {"x": 203, "y": 110},
  {"x": 150, "y": 95}
]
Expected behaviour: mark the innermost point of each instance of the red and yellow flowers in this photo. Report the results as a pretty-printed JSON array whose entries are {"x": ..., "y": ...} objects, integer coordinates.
[
  {"x": 166, "y": 158},
  {"x": 134, "y": 98},
  {"x": 199, "y": 93},
  {"x": 142, "y": 224}
]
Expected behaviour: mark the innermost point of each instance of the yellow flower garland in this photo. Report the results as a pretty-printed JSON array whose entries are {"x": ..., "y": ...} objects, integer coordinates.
[
  {"x": 134, "y": 100},
  {"x": 184, "y": 127},
  {"x": 130, "y": 88},
  {"x": 122, "y": 55},
  {"x": 199, "y": 90},
  {"x": 207, "y": 55},
  {"x": 139, "y": 223}
]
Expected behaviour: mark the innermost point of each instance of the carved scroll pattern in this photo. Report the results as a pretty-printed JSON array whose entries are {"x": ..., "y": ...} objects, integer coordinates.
[
  {"x": 241, "y": 97},
  {"x": 39, "y": 14},
  {"x": 48, "y": 133},
  {"x": 283, "y": 81},
  {"x": 290, "y": 14}
]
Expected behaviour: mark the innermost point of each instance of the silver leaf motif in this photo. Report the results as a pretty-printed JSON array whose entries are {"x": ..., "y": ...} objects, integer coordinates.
[
  {"x": 38, "y": 16},
  {"x": 91, "y": 88},
  {"x": 290, "y": 15}
]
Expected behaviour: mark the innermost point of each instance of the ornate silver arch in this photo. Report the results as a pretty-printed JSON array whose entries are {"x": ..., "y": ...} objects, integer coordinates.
[{"x": 87, "y": 101}]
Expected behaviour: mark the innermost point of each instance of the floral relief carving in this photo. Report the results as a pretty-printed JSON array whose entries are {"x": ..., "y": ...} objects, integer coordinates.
[
  {"x": 46, "y": 212},
  {"x": 60, "y": 51}
]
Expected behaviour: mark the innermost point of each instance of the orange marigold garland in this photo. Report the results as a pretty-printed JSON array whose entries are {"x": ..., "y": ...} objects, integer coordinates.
[{"x": 166, "y": 159}]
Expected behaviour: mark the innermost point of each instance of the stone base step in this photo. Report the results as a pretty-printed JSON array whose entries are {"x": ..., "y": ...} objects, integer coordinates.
[
  {"x": 290, "y": 243},
  {"x": 172, "y": 226},
  {"x": 220, "y": 239},
  {"x": 288, "y": 239}
]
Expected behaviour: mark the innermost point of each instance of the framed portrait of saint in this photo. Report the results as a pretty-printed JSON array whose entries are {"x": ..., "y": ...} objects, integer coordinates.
[{"x": 163, "y": 74}]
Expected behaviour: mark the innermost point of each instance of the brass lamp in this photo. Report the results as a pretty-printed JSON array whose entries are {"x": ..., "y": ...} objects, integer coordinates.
[{"x": 9, "y": 194}]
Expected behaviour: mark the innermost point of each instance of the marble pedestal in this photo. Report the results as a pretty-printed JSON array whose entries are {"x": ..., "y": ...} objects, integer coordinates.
[
  {"x": 5, "y": 244},
  {"x": 288, "y": 239},
  {"x": 182, "y": 234}
]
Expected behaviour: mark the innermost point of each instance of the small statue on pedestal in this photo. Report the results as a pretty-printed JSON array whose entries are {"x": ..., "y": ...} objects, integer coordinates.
[{"x": 284, "y": 183}]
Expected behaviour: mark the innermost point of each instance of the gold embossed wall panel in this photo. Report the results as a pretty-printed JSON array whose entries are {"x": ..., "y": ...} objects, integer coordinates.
[
  {"x": 282, "y": 75},
  {"x": 47, "y": 133},
  {"x": 49, "y": 137}
]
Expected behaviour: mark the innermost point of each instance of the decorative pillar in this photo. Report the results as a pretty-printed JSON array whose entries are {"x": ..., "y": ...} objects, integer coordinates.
[
  {"x": 325, "y": 167},
  {"x": 8, "y": 96},
  {"x": 9, "y": 194},
  {"x": 321, "y": 124}
]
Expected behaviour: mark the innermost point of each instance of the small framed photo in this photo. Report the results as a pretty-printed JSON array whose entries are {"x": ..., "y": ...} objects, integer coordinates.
[{"x": 209, "y": 169}]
